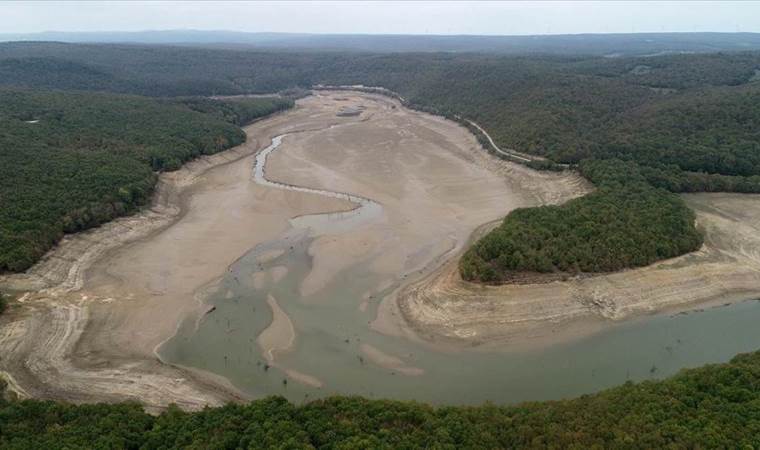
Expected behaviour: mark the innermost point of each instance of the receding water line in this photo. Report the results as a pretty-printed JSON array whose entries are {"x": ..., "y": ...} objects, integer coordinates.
[{"x": 365, "y": 210}]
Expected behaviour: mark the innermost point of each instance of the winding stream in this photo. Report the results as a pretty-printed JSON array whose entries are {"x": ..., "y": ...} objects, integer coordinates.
[
  {"x": 335, "y": 351},
  {"x": 366, "y": 209}
]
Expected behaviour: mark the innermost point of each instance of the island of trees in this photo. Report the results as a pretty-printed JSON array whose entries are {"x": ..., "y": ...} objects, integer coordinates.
[{"x": 626, "y": 222}]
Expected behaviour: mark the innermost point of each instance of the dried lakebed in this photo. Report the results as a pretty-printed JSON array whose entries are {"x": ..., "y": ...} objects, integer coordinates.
[{"x": 283, "y": 269}]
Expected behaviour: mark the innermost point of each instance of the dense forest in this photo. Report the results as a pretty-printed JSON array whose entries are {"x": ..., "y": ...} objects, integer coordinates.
[
  {"x": 641, "y": 129},
  {"x": 717, "y": 406},
  {"x": 687, "y": 122},
  {"x": 698, "y": 112},
  {"x": 625, "y": 222},
  {"x": 70, "y": 161}
]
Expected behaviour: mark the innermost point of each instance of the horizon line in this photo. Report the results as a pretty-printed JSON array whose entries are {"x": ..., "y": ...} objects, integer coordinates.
[{"x": 168, "y": 30}]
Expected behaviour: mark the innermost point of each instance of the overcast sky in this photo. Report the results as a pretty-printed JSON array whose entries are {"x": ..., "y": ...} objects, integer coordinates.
[{"x": 383, "y": 17}]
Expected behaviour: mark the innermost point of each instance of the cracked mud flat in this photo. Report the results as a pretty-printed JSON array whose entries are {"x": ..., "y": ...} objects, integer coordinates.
[{"x": 215, "y": 242}]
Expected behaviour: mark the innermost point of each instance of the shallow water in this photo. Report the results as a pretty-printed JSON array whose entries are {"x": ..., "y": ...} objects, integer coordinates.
[
  {"x": 331, "y": 329},
  {"x": 365, "y": 211}
]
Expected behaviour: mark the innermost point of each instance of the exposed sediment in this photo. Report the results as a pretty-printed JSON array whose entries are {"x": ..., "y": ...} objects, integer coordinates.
[
  {"x": 104, "y": 300},
  {"x": 443, "y": 307},
  {"x": 39, "y": 338}
]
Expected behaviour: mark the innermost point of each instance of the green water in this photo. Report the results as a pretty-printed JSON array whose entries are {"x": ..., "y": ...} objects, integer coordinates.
[{"x": 330, "y": 329}]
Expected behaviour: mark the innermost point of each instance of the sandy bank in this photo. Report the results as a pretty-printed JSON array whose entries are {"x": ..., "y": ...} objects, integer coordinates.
[
  {"x": 280, "y": 335},
  {"x": 432, "y": 178},
  {"x": 445, "y": 308},
  {"x": 104, "y": 299},
  {"x": 436, "y": 186},
  {"x": 390, "y": 362},
  {"x": 109, "y": 304}
]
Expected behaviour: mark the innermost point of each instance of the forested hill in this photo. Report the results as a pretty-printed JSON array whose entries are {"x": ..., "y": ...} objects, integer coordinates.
[
  {"x": 716, "y": 406},
  {"x": 638, "y": 128},
  {"x": 656, "y": 110},
  {"x": 686, "y": 122},
  {"x": 70, "y": 161},
  {"x": 625, "y": 223}
]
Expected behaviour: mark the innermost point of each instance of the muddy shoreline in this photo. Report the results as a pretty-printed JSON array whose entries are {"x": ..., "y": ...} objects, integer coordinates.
[
  {"x": 58, "y": 310},
  {"x": 103, "y": 301},
  {"x": 454, "y": 313},
  {"x": 50, "y": 284}
]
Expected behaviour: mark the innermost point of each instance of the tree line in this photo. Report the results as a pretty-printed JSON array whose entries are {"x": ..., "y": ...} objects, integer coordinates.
[
  {"x": 71, "y": 161},
  {"x": 625, "y": 222},
  {"x": 716, "y": 406},
  {"x": 688, "y": 122}
]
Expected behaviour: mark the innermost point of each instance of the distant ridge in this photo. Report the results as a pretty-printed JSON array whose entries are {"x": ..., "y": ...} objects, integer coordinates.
[{"x": 629, "y": 44}]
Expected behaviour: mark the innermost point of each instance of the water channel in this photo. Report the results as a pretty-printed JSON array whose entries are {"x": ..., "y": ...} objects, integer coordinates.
[{"x": 332, "y": 334}]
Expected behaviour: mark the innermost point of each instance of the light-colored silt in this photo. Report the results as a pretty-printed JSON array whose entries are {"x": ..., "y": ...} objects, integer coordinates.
[{"x": 337, "y": 351}]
